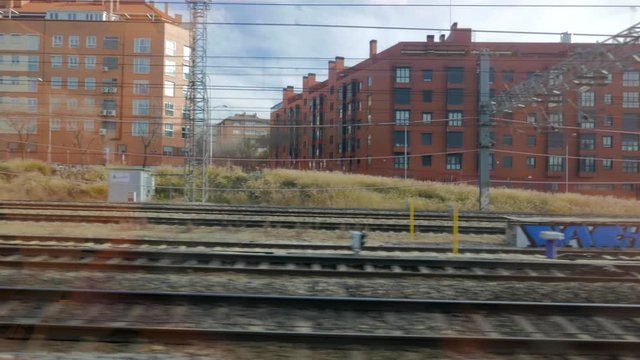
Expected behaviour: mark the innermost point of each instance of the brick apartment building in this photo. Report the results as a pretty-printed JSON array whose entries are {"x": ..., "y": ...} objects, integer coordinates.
[
  {"x": 416, "y": 103},
  {"x": 241, "y": 136},
  {"x": 92, "y": 82}
]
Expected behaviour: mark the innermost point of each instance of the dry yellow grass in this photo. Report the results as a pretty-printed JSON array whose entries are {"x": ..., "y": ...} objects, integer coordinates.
[{"x": 32, "y": 180}]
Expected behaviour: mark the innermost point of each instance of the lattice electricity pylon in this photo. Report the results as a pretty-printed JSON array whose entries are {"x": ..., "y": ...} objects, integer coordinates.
[
  {"x": 197, "y": 103},
  {"x": 585, "y": 67}
]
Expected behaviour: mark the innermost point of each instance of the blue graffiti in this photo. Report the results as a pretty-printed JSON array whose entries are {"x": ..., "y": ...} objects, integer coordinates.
[{"x": 598, "y": 236}]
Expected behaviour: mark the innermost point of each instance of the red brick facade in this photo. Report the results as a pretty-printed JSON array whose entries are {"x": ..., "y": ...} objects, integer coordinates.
[{"x": 355, "y": 121}]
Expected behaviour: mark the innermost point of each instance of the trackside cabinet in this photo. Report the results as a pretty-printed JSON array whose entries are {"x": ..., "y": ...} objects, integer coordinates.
[{"x": 127, "y": 185}]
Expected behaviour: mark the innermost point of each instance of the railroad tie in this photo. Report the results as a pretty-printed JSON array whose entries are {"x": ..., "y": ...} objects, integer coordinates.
[
  {"x": 569, "y": 328},
  {"x": 527, "y": 326},
  {"x": 613, "y": 328}
]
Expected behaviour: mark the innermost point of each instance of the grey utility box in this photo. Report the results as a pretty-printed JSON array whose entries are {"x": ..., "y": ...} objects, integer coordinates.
[{"x": 130, "y": 185}]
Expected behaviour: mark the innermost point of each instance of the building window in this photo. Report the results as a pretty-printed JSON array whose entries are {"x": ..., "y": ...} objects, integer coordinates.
[
  {"x": 399, "y": 138},
  {"x": 607, "y": 141},
  {"x": 170, "y": 47},
  {"x": 587, "y": 164},
  {"x": 555, "y": 163},
  {"x": 169, "y": 88},
  {"x": 186, "y": 72},
  {"x": 32, "y": 105},
  {"x": 427, "y": 96},
  {"x": 88, "y": 125},
  {"x": 455, "y": 96},
  {"x": 168, "y": 130},
  {"x": 587, "y": 122},
  {"x": 140, "y": 87},
  {"x": 89, "y": 62},
  {"x": 90, "y": 83},
  {"x": 403, "y": 75},
  {"x": 402, "y": 117},
  {"x": 55, "y": 124},
  {"x": 426, "y": 117},
  {"x": 186, "y": 53},
  {"x": 168, "y": 109},
  {"x": 91, "y": 42},
  {"x": 630, "y": 142},
  {"x": 507, "y": 162},
  {"x": 72, "y": 83},
  {"x": 170, "y": 68},
  {"x": 74, "y": 41},
  {"x": 631, "y": 78},
  {"x": 426, "y": 160},
  {"x": 588, "y": 98},
  {"x": 630, "y": 121},
  {"x": 167, "y": 150},
  {"x": 426, "y": 138},
  {"x": 110, "y": 63},
  {"x": 531, "y": 140},
  {"x": 33, "y": 63},
  {"x": 141, "y": 107},
  {"x": 454, "y": 118},
  {"x": 110, "y": 42},
  {"x": 630, "y": 100},
  {"x": 607, "y": 164},
  {"x": 608, "y": 99},
  {"x": 507, "y": 140},
  {"x": 587, "y": 142},
  {"x": 455, "y": 75},
  {"x": 427, "y": 75},
  {"x": 507, "y": 76},
  {"x": 57, "y": 41},
  {"x": 399, "y": 160},
  {"x": 401, "y": 96},
  {"x": 140, "y": 128},
  {"x": 531, "y": 162},
  {"x": 608, "y": 121},
  {"x": 556, "y": 119},
  {"x": 141, "y": 65},
  {"x": 142, "y": 45},
  {"x": 73, "y": 61},
  {"x": 454, "y": 161},
  {"x": 56, "y": 61},
  {"x": 630, "y": 165},
  {"x": 72, "y": 125},
  {"x": 455, "y": 139}
]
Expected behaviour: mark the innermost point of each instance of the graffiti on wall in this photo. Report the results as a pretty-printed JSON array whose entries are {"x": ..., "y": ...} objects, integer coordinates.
[{"x": 585, "y": 236}]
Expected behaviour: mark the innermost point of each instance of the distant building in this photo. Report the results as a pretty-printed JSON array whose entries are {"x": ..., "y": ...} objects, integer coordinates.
[
  {"x": 414, "y": 108},
  {"x": 92, "y": 82},
  {"x": 241, "y": 136}
]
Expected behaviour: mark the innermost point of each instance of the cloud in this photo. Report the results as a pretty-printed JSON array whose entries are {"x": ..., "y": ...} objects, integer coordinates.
[{"x": 258, "y": 57}]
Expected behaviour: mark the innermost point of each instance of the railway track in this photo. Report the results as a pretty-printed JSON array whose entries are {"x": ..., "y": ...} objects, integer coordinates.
[
  {"x": 245, "y": 210},
  {"x": 293, "y": 222},
  {"x": 313, "y": 265},
  {"x": 479, "y": 327},
  {"x": 303, "y": 248}
]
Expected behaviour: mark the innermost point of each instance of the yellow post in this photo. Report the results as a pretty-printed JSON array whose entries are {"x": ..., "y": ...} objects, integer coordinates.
[
  {"x": 411, "y": 221},
  {"x": 455, "y": 231}
]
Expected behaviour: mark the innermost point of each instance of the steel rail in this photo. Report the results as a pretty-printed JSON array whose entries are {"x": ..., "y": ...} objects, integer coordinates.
[
  {"x": 489, "y": 338},
  {"x": 238, "y": 221},
  {"x": 248, "y": 210},
  {"x": 272, "y": 247},
  {"x": 313, "y": 265}
]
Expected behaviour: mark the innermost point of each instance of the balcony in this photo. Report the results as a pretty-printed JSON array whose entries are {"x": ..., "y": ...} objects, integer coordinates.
[{"x": 109, "y": 90}]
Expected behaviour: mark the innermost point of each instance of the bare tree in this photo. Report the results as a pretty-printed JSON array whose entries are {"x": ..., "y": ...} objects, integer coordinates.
[
  {"x": 82, "y": 140},
  {"x": 149, "y": 139},
  {"x": 24, "y": 128}
]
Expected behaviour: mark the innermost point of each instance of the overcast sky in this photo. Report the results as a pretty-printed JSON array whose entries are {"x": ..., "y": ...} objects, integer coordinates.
[{"x": 267, "y": 73}]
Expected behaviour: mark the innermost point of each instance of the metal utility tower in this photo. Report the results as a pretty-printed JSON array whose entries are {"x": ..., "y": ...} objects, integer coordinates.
[
  {"x": 588, "y": 67},
  {"x": 197, "y": 104}
]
